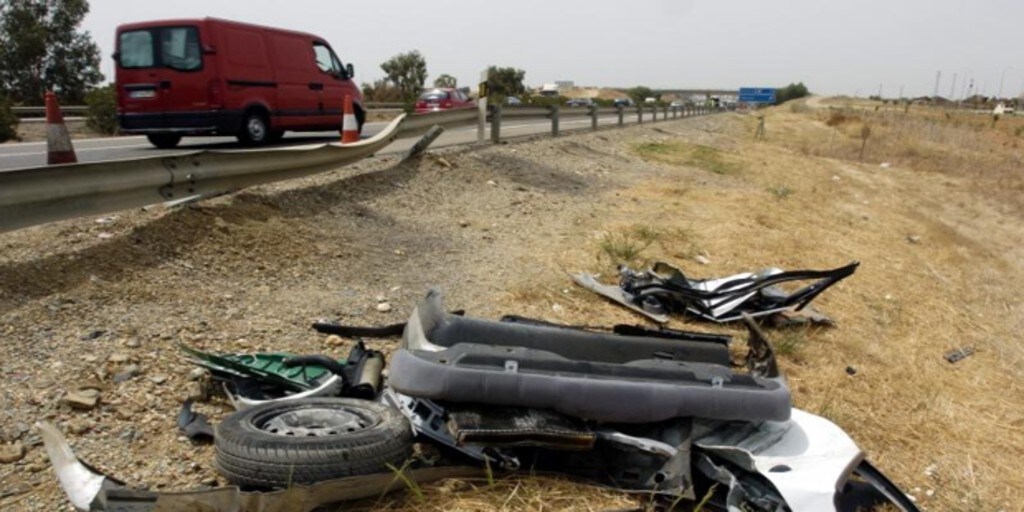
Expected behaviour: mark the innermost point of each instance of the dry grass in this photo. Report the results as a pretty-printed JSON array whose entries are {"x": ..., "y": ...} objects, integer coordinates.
[
  {"x": 694, "y": 155},
  {"x": 939, "y": 234}
]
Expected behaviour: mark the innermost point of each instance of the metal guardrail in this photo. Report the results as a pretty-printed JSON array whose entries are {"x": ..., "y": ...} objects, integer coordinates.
[{"x": 45, "y": 194}]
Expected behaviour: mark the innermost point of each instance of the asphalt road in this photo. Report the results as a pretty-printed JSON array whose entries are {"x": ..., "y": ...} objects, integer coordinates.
[{"x": 33, "y": 154}]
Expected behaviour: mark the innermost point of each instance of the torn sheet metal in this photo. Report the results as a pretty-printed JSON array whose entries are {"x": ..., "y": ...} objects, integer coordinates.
[
  {"x": 664, "y": 289},
  {"x": 807, "y": 458},
  {"x": 88, "y": 490}
]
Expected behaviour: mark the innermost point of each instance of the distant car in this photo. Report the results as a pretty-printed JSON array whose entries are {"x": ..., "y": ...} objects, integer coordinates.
[
  {"x": 433, "y": 100},
  {"x": 580, "y": 102},
  {"x": 676, "y": 103},
  {"x": 512, "y": 101},
  {"x": 622, "y": 102}
]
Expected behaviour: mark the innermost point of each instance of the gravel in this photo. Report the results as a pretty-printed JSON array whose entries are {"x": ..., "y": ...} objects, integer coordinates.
[{"x": 251, "y": 271}]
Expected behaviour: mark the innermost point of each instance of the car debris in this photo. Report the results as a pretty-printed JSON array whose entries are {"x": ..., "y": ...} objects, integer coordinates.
[
  {"x": 194, "y": 425},
  {"x": 958, "y": 354},
  {"x": 654, "y": 412},
  {"x": 253, "y": 379},
  {"x": 664, "y": 289},
  {"x": 89, "y": 490}
]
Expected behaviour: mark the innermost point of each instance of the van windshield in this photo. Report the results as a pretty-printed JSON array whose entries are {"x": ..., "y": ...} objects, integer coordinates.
[{"x": 177, "y": 48}]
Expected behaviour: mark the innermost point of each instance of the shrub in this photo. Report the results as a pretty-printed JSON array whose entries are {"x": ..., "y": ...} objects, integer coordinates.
[
  {"x": 790, "y": 92},
  {"x": 101, "y": 116},
  {"x": 8, "y": 121}
]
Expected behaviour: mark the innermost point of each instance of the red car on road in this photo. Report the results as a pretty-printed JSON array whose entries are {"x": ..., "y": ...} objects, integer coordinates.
[{"x": 433, "y": 100}]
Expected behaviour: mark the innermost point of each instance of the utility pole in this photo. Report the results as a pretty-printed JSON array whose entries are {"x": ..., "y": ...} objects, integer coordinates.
[
  {"x": 938, "y": 78},
  {"x": 901, "y": 92},
  {"x": 879, "y": 91},
  {"x": 952, "y": 89}
]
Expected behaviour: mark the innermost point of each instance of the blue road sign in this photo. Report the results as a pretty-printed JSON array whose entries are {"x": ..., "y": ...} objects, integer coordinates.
[{"x": 757, "y": 95}]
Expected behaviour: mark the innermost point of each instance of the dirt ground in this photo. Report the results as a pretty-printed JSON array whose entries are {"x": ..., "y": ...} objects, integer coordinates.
[{"x": 497, "y": 227}]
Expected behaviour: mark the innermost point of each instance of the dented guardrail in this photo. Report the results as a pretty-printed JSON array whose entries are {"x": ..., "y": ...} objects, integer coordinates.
[{"x": 44, "y": 194}]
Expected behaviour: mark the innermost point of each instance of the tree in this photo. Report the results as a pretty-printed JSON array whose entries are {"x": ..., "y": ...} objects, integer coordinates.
[
  {"x": 382, "y": 91},
  {"x": 41, "y": 48},
  {"x": 446, "y": 81},
  {"x": 8, "y": 121},
  {"x": 505, "y": 82},
  {"x": 407, "y": 72},
  {"x": 640, "y": 93},
  {"x": 102, "y": 113},
  {"x": 790, "y": 92}
]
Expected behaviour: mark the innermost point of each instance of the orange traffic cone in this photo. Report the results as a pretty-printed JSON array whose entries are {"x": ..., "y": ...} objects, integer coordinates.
[
  {"x": 58, "y": 142},
  {"x": 349, "y": 125}
]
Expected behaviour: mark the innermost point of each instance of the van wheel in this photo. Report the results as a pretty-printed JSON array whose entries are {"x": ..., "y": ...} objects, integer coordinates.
[
  {"x": 164, "y": 140},
  {"x": 255, "y": 129}
]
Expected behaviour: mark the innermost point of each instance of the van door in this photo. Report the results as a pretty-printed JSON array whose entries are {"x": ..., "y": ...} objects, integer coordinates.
[
  {"x": 183, "y": 79},
  {"x": 333, "y": 94},
  {"x": 298, "y": 86},
  {"x": 162, "y": 79}
]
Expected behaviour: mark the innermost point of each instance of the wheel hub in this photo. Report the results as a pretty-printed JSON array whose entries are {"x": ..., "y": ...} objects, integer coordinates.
[{"x": 315, "y": 422}]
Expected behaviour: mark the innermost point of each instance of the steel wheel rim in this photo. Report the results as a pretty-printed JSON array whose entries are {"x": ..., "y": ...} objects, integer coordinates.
[
  {"x": 256, "y": 128},
  {"x": 314, "y": 421}
]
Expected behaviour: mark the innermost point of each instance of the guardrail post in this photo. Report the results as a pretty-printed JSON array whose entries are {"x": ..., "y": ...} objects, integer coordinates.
[
  {"x": 593, "y": 117},
  {"x": 654, "y": 113},
  {"x": 622, "y": 111},
  {"x": 496, "y": 124},
  {"x": 639, "y": 114},
  {"x": 664, "y": 113},
  {"x": 675, "y": 111},
  {"x": 554, "y": 120}
]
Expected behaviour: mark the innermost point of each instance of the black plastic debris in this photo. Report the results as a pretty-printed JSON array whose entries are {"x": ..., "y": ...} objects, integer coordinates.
[{"x": 958, "y": 354}]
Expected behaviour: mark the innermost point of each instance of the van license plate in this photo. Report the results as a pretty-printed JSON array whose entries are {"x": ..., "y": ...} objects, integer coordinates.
[{"x": 142, "y": 94}]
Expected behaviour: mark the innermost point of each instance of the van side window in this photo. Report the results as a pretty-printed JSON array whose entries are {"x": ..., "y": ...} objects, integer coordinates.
[
  {"x": 136, "y": 49},
  {"x": 180, "y": 48},
  {"x": 325, "y": 59}
]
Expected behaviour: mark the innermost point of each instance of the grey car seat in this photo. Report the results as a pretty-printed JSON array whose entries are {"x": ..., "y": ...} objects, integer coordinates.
[{"x": 594, "y": 376}]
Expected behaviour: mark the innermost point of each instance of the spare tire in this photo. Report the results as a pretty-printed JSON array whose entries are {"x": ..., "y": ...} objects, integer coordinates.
[{"x": 310, "y": 440}]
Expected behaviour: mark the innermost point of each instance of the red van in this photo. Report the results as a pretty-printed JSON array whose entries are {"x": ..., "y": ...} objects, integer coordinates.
[{"x": 217, "y": 77}]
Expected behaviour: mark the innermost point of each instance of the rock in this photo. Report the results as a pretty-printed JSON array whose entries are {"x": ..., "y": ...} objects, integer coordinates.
[
  {"x": 197, "y": 374},
  {"x": 77, "y": 427},
  {"x": 82, "y": 399},
  {"x": 851, "y": 370},
  {"x": 464, "y": 223},
  {"x": 914, "y": 239},
  {"x": 492, "y": 183},
  {"x": 197, "y": 391},
  {"x": 158, "y": 379},
  {"x": 133, "y": 343},
  {"x": 334, "y": 340},
  {"x": 381, "y": 298},
  {"x": 127, "y": 374},
  {"x": 11, "y": 453},
  {"x": 383, "y": 307},
  {"x": 703, "y": 260},
  {"x": 93, "y": 335},
  {"x": 118, "y": 357}
]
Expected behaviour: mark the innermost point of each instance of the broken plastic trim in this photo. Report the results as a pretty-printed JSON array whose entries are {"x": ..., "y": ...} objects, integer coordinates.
[{"x": 88, "y": 490}]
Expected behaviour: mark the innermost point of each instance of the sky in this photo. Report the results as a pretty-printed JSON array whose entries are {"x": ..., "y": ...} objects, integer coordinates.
[{"x": 849, "y": 47}]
